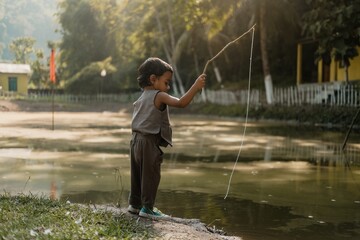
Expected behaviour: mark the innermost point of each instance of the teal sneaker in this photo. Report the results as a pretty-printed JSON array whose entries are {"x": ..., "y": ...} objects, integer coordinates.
[
  {"x": 134, "y": 209},
  {"x": 155, "y": 214}
]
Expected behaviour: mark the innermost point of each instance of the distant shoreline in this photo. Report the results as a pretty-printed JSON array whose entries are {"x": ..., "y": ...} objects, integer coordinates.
[{"x": 322, "y": 116}]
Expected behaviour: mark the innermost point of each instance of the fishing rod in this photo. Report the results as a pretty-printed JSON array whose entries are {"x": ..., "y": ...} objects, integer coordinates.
[
  {"x": 248, "y": 94},
  {"x": 225, "y": 47}
]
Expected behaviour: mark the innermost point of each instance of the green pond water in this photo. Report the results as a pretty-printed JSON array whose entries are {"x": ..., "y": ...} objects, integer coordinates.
[{"x": 290, "y": 182}]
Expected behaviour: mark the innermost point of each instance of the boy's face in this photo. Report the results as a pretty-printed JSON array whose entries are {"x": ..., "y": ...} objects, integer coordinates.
[{"x": 162, "y": 82}]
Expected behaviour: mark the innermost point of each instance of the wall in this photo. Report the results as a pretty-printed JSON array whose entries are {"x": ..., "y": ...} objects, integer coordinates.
[
  {"x": 338, "y": 73},
  {"x": 22, "y": 82},
  {"x": 309, "y": 72}
]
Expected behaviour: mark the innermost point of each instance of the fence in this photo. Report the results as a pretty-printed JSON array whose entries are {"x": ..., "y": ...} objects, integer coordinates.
[
  {"x": 9, "y": 95},
  {"x": 312, "y": 94},
  {"x": 122, "y": 98},
  {"x": 47, "y": 96},
  {"x": 322, "y": 94},
  {"x": 225, "y": 97}
]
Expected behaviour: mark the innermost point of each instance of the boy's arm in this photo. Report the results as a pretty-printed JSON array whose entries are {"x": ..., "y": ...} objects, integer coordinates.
[{"x": 164, "y": 98}]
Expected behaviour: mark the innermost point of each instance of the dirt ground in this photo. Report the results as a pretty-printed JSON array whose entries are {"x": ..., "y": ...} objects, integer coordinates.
[
  {"x": 179, "y": 228},
  {"x": 174, "y": 228},
  {"x": 43, "y": 106}
]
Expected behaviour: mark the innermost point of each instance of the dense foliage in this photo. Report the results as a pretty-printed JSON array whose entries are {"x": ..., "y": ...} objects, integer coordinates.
[
  {"x": 336, "y": 25},
  {"x": 116, "y": 36},
  {"x": 184, "y": 33}
]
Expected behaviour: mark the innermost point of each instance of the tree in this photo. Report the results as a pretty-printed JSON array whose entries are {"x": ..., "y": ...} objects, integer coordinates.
[
  {"x": 40, "y": 76},
  {"x": 22, "y": 48},
  {"x": 183, "y": 33},
  {"x": 85, "y": 34},
  {"x": 278, "y": 25},
  {"x": 158, "y": 33},
  {"x": 335, "y": 25},
  {"x": 206, "y": 21},
  {"x": 264, "y": 53},
  {"x": 92, "y": 79}
]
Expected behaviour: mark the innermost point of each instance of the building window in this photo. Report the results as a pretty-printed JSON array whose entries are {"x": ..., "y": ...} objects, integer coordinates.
[{"x": 13, "y": 84}]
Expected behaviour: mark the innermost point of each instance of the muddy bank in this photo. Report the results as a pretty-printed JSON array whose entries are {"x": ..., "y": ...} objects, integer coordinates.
[
  {"x": 174, "y": 228},
  {"x": 41, "y": 106}
]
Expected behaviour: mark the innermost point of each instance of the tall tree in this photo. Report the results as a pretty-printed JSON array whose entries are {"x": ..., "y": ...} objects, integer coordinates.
[
  {"x": 181, "y": 29},
  {"x": 206, "y": 21},
  {"x": 22, "y": 48},
  {"x": 84, "y": 34},
  {"x": 335, "y": 24},
  {"x": 40, "y": 76},
  {"x": 264, "y": 52},
  {"x": 185, "y": 33},
  {"x": 88, "y": 39},
  {"x": 277, "y": 22}
]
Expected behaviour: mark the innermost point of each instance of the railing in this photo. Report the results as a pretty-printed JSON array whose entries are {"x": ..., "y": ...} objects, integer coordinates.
[
  {"x": 9, "y": 95},
  {"x": 336, "y": 94},
  {"x": 318, "y": 94},
  {"x": 47, "y": 96},
  {"x": 225, "y": 97},
  {"x": 123, "y": 98}
]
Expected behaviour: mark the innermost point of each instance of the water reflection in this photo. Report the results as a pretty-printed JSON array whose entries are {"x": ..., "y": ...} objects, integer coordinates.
[
  {"x": 291, "y": 182},
  {"x": 246, "y": 218}
]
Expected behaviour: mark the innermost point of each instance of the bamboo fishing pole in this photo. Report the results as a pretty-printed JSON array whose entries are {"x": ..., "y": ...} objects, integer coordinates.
[
  {"x": 226, "y": 46},
  {"x": 221, "y": 51}
]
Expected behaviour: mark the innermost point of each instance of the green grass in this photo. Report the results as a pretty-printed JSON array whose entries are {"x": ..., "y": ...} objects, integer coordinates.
[{"x": 32, "y": 217}]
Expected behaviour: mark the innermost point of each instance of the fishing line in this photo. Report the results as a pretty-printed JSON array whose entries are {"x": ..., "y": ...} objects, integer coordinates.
[
  {"x": 248, "y": 93},
  {"x": 247, "y": 112}
]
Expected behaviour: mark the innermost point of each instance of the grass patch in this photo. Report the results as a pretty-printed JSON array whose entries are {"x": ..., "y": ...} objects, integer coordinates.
[{"x": 32, "y": 217}]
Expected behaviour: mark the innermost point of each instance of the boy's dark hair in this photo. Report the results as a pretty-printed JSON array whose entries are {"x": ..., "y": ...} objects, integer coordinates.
[{"x": 151, "y": 66}]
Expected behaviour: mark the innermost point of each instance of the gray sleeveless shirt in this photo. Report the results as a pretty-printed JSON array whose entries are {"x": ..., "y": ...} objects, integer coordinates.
[{"x": 147, "y": 119}]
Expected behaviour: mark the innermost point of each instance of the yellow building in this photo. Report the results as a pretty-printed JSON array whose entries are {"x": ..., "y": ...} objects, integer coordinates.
[
  {"x": 14, "y": 77},
  {"x": 308, "y": 71}
]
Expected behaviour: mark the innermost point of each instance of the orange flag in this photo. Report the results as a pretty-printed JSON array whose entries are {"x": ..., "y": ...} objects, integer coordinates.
[{"x": 52, "y": 66}]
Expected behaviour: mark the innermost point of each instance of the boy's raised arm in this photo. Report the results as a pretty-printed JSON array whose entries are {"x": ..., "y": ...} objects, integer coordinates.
[{"x": 164, "y": 98}]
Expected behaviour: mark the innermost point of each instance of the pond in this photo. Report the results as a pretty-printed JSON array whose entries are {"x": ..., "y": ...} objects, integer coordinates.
[{"x": 290, "y": 181}]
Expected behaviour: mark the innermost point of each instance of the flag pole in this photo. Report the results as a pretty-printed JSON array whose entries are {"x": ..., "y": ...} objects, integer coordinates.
[
  {"x": 53, "y": 108},
  {"x": 53, "y": 81}
]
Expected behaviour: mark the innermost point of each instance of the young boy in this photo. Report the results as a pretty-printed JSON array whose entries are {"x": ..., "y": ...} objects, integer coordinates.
[{"x": 150, "y": 130}]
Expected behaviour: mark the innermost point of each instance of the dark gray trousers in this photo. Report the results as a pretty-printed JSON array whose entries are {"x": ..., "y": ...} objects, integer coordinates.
[{"x": 146, "y": 158}]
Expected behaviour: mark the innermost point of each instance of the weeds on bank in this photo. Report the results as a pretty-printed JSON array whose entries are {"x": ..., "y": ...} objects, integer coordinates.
[{"x": 32, "y": 217}]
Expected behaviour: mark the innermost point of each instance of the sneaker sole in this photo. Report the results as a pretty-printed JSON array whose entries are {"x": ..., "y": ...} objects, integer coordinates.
[
  {"x": 133, "y": 210},
  {"x": 153, "y": 217}
]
